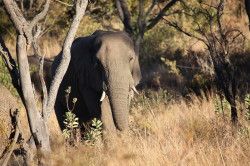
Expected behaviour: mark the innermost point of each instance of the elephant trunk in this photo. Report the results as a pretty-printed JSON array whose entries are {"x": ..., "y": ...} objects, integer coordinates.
[{"x": 118, "y": 93}]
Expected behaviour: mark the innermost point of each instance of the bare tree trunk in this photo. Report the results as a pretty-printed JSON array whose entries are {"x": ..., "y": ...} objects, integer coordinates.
[
  {"x": 37, "y": 122},
  {"x": 225, "y": 82},
  {"x": 38, "y": 127}
]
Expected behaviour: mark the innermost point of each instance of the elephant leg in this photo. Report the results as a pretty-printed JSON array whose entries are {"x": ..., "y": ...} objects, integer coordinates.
[{"x": 109, "y": 129}]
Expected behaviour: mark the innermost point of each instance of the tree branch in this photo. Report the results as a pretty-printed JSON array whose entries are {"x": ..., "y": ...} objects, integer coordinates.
[
  {"x": 125, "y": 15},
  {"x": 15, "y": 14},
  {"x": 155, "y": 20},
  {"x": 141, "y": 18},
  {"x": 41, "y": 15},
  {"x": 64, "y": 3},
  {"x": 62, "y": 68},
  {"x": 154, "y": 2},
  {"x": 180, "y": 29}
]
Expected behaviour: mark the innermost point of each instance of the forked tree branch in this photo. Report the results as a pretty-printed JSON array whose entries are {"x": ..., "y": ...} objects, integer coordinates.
[
  {"x": 38, "y": 127},
  {"x": 23, "y": 26},
  {"x": 182, "y": 30},
  {"x": 62, "y": 68},
  {"x": 41, "y": 15}
]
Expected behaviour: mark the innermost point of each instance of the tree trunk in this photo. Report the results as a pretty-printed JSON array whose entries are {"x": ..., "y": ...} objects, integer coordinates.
[
  {"x": 234, "y": 115},
  {"x": 225, "y": 81},
  {"x": 137, "y": 42},
  {"x": 37, "y": 125}
]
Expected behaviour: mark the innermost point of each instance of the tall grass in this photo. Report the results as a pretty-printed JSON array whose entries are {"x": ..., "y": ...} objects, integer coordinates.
[{"x": 167, "y": 133}]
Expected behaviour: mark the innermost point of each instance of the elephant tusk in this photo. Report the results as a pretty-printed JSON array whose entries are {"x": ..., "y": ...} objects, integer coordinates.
[
  {"x": 134, "y": 89},
  {"x": 103, "y": 96}
]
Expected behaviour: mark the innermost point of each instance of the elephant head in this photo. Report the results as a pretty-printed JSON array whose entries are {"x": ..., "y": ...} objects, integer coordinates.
[
  {"x": 121, "y": 72},
  {"x": 103, "y": 63}
]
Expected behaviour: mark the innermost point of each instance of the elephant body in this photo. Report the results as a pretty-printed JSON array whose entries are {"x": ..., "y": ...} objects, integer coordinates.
[{"x": 102, "y": 62}]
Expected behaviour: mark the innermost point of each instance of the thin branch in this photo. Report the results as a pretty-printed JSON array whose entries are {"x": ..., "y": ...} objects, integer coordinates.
[
  {"x": 155, "y": 20},
  {"x": 173, "y": 13},
  {"x": 38, "y": 53},
  {"x": 62, "y": 68},
  {"x": 44, "y": 88},
  {"x": 180, "y": 29},
  {"x": 64, "y": 3},
  {"x": 154, "y": 2},
  {"x": 41, "y": 15}
]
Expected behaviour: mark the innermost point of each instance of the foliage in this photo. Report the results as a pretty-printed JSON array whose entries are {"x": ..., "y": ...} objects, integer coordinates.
[
  {"x": 247, "y": 105},
  {"x": 71, "y": 120},
  {"x": 5, "y": 78},
  {"x": 94, "y": 132},
  {"x": 71, "y": 123},
  {"x": 221, "y": 105},
  {"x": 149, "y": 98}
]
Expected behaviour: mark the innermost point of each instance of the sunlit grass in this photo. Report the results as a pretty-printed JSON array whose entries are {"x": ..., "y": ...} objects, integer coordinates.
[{"x": 167, "y": 133}]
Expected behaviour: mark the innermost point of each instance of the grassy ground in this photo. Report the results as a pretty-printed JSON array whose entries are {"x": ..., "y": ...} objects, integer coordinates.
[{"x": 166, "y": 132}]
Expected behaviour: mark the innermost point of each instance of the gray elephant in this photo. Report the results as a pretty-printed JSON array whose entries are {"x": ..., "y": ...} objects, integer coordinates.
[{"x": 103, "y": 63}]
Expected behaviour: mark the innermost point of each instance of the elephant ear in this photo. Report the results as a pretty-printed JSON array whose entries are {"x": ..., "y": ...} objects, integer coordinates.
[{"x": 136, "y": 71}]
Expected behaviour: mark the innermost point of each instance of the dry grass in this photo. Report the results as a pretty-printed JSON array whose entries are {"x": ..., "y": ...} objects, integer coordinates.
[{"x": 175, "y": 133}]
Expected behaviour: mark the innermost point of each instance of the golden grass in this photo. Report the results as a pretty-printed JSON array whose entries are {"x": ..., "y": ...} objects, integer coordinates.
[{"x": 167, "y": 134}]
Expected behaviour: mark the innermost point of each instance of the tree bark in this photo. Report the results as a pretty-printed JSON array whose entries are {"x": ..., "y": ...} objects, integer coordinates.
[
  {"x": 38, "y": 127},
  {"x": 66, "y": 56},
  {"x": 38, "y": 123}
]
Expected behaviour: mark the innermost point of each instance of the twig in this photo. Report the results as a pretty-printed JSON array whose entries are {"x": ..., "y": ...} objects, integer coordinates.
[
  {"x": 44, "y": 88},
  {"x": 64, "y": 3}
]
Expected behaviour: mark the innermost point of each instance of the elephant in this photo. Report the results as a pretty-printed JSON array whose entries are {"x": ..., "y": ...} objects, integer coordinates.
[{"x": 102, "y": 64}]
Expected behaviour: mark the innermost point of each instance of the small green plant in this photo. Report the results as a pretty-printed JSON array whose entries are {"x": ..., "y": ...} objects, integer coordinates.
[
  {"x": 71, "y": 120},
  {"x": 94, "y": 132},
  {"x": 221, "y": 104},
  {"x": 71, "y": 123},
  {"x": 247, "y": 104}
]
